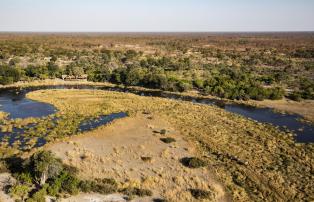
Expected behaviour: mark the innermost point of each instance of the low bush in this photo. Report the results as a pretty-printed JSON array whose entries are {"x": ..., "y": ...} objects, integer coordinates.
[
  {"x": 276, "y": 93},
  {"x": 163, "y": 131},
  {"x": 39, "y": 196},
  {"x": 131, "y": 191},
  {"x": 167, "y": 140},
  {"x": 296, "y": 96},
  {"x": 193, "y": 162},
  {"x": 9, "y": 75},
  {"x": 103, "y": 186},
  {"x": 24, "y": 178},
  {"x": 19, "y": 191},
  {"x": 64, "y": 181},
  {"x": 146, "y": 158},
  {"x": 69, "y": 183},
  {"x": 201, "y": 194},
  {"x": 304, "y": 53}
]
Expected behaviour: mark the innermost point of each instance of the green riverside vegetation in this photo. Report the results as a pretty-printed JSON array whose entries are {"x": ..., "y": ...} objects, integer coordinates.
[
  {"x": 244, "y": 68},
  {"x": 43, "y": 174}
]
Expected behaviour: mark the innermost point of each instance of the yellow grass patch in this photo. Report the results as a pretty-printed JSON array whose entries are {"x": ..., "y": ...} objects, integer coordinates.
[{"x": 253, "y": 160}]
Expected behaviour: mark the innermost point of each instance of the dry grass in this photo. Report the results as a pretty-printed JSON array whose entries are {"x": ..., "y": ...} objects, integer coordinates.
[
  {"x": 50, "y": 82},
  {"x": 129, "y": 151},
  {"x": 254, "y": 161},
  {"x": 3, "y": 116},
  {"x": 303, "y": 108}
]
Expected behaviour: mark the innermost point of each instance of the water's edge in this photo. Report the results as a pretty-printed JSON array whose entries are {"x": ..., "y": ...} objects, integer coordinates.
[{"x": 292, "y": 122}]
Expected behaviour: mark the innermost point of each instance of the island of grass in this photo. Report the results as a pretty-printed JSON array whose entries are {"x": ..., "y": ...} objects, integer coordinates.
[
  {"x": 245, "y": 160},
  {"x": 244, "y": 154}
]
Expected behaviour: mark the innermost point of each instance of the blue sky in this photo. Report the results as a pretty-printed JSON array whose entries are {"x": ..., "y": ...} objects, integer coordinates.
[{"x": 156, "y": 15}]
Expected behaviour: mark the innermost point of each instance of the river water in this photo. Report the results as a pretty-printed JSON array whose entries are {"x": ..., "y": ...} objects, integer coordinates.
[{"x": 14, "y": 102}]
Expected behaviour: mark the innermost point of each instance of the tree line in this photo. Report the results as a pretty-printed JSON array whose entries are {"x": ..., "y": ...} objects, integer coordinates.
[{"x": 132, "y": 68}]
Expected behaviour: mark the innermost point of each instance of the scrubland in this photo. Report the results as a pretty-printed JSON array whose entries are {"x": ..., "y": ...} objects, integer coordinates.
[
  {"x": 252, "y": 160},
  {"x": 165, "y": 150}
]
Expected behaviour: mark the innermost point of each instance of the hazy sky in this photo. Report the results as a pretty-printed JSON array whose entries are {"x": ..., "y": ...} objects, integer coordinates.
[{"x": 156, "y": 15}]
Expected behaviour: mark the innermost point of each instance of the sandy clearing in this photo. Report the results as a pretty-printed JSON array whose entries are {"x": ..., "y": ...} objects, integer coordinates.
[
  {"x": 95, "y": 198},
  {"x": 5, "y": 179},
  {"x": 116, "y": 151}
]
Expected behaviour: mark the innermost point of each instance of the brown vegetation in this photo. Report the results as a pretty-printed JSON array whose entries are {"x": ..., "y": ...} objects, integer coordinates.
[{"x": 243, "y": 154}]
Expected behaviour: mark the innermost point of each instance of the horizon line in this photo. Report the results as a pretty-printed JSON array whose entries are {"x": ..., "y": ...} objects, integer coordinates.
[{"x": 268, "y": 31}]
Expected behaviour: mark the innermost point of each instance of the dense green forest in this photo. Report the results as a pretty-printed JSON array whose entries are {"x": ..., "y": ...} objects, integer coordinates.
[{"x": 237, "y": 68}]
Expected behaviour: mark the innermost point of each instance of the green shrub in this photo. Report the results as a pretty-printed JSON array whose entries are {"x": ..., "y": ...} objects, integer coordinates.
[
  {"x": 69, "y": 183},
  {"x": 108, "y": 181},
  {"x": 198, "y": 83},
  {"x": 9, "y": 75},
  {"x": 183, "y": 86},
  {"x": 6, "y": 80},
  {"x": 36, "y": 71},
  {"x": 24, "y": 178},
  {"x": 44, "y": 165},
  {"x": 146, "y": 158},
  {"x": 307, "y": 88},
  {"x": 167, "y": 140},
  {"x": 55, "y": 185},
  {"x": 304, "y": 53},
  {"x": 39, "y": 196},
  {"x": 131, "y": 191},
  {"x": 86, "y": 186},
  {"x": 309, "y": 66},
  {"x": 193, "y": 162},
  {"x": 163, "y": 131},
  {"x": 19, "y": 191},
  {"x": 102, "y": 186},
  {"x": 54, "y": 189},
  {"x": 296, "y": 96},
  {"x": 201, "y": 194},
  {"x": 276, "y": 93}
]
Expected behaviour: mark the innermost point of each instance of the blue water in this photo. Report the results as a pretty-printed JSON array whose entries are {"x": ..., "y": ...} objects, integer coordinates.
[
  {"x": 14, "y": 102},
  {"x": 17, "y": 105},
  {"x": 20, "y": 107},
  {"x": 304, "y": 131},
  {"x": 287, "y": 122}
]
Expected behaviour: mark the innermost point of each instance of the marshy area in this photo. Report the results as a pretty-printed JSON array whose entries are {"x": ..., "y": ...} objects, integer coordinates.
[
  {"x": 20, "y": 114},
  {"x": 156, "y": 116},
  {"x": 242, "y": 159}
]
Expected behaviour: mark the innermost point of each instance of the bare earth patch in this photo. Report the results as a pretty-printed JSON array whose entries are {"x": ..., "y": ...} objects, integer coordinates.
[
  {"x": 5, "y": 179},
  {"x": 121, "y": 150},
  {"x": 95, "y": 198}
]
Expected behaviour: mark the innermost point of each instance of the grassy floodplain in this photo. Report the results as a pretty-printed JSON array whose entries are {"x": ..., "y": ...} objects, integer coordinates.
[
  {"x": 303, "y": 108},
  {"x": 254, "y": 161}
]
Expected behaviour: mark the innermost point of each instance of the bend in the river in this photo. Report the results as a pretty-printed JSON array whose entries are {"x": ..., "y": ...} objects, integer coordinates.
[{"x": 13, "y": 101}]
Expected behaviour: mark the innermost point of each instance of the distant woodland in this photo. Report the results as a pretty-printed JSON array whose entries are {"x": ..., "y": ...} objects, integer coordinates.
[{"x": 233, "y": 66}]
